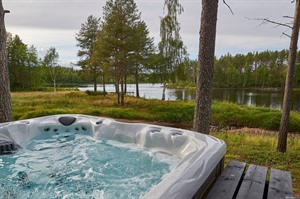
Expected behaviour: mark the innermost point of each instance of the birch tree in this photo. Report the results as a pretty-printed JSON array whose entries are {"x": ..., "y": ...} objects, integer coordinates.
[
  {"x": 50, "y": 61},
  {"x": 171, "y": 46}
]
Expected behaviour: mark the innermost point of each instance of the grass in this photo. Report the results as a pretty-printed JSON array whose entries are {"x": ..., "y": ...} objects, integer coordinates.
[
  {"x": 229, "y": 114},
  {"x": 261, "y": 150},
  {"x": 35, "y": 104},
  {"x": 242, "y": 145},
  {"x": 95, "y": 92}
]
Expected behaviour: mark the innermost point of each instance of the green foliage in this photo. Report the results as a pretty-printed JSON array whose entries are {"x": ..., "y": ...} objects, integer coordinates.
[
  {"x": 229, "y": 114},
  {"x": 51, "y": 58},
  {"x": 86, "y": 38},
  {"x": 173, "y": 112},
  {"x": 171, "y": 46},
  {"x": 50, "y": 61},
  {"x": 22, "y": 61},
  {"x": 95, "y": 93},
  {"x": 27, "y": 72},
  {"x": 253, "y": 70},
  {"x": 123, "y": 45},
  {"x": 264, "y": 69}
]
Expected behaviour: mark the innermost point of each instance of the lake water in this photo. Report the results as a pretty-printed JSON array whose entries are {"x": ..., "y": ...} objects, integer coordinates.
[{"x": 250, "y": 97}]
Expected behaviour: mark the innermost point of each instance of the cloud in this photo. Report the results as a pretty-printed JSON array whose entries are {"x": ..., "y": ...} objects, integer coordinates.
[
  {"x": 46, "y": 23},
  {"x": 51, "y": 14}
]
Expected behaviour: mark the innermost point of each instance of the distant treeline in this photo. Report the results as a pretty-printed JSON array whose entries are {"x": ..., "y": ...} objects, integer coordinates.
[
  {"x": 28, "y": 72},
  {"x": 258, "y": 69}
]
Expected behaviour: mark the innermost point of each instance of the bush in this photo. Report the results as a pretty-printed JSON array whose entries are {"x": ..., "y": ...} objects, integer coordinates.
[{"x": 95, "y": 93}]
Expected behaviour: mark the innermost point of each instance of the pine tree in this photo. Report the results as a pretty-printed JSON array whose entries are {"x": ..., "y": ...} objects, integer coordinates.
[
  {"x": 286, "y": 105},
  {"x": 207, "y": 39},
  {"x": 5, "y": 98},
  {"x": 119, "y": 44},
  {"x": 17, "y": 58},
  {"x": 143, "y": 50},
  {"x": 86, "y": 38}
]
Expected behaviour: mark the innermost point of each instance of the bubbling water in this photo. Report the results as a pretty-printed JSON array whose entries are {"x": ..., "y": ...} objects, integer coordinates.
[{"x": 78, "y": 166}]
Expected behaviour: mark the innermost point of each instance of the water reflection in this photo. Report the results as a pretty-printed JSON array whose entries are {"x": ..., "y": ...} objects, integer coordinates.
[
  {"x": 265, "y": 98},
  {"x": 249, "y": 97},
  {"x": 182, "y": 94}
]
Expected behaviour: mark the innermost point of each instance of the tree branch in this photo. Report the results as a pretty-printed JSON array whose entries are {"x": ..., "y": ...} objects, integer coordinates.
[
  {"x": 266, "y": 20},
  {"x": 286, "y": 35},
  {"x": 228, "y": 6}
]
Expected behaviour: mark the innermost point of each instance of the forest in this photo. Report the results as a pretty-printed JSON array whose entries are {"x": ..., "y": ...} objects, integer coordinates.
[
  {"x": 265, "y": 69},
  {"x": 118, "y": 49}
]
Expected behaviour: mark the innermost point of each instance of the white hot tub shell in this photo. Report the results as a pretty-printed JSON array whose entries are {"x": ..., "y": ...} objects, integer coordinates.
[{"x": 199, "y": 153}]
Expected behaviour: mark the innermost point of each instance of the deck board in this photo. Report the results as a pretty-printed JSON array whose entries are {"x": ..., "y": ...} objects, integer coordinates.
[
  {"x": 226, "y": 185},
  {"x": 280, "y": 185},
  {"x": 253, "y": 185}
]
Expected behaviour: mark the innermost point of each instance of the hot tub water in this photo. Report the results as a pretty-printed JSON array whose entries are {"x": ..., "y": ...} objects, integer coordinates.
[{"x": 69, "y": 165}]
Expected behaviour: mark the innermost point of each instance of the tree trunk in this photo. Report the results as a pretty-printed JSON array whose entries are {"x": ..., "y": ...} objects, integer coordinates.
[
  {"x": 30, "y": 81},
  {"x": 118, "y": 90},
  {"x": 207, "y": 39},
  {"x": 54, "y": 86},
  {"x": 5, "y": 98},
  {"x": 122, "y": 77},
  {"x": 164, "y": 91},
  {"x": 286, "y": 106},
  {"x": 104, "y": 89},
  {"x": 95, "y": 82},
  {"x": 137, "y": 82},
  {"x": 125, "y": 81}
]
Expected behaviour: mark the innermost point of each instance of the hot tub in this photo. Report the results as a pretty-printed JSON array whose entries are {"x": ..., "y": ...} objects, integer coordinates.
[{"x": 201, "y": 156}]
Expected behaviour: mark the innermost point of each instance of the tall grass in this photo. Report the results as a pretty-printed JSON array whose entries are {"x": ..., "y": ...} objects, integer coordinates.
[
  {"x": 35, "y": 104},
  {"x": 230, "y": 114}
]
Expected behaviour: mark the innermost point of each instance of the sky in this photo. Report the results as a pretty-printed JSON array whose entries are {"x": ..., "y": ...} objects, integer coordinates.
[{"x": 54, "y": 23}]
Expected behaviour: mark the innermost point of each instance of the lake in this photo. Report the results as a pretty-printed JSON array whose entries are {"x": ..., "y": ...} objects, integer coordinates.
[{"x": 251, "y": 97}]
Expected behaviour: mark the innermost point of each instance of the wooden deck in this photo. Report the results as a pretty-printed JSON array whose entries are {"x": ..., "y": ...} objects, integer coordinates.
[{"x": 235, "y": 183}]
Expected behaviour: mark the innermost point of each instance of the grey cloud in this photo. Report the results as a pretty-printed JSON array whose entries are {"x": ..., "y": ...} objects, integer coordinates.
[
  {"x": 52, "y": 22},
  {"x": 50, "y": 14}
]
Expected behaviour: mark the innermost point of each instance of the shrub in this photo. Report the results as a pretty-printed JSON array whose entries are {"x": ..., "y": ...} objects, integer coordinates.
[{"x": 94, "y": 93}]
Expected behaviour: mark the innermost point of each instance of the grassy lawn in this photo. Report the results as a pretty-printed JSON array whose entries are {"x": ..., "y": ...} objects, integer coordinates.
[{"x": 244, "y": 146}]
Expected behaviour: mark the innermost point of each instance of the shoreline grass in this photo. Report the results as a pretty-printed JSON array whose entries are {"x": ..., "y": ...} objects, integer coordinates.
[{"x": 35, "y": 104}]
